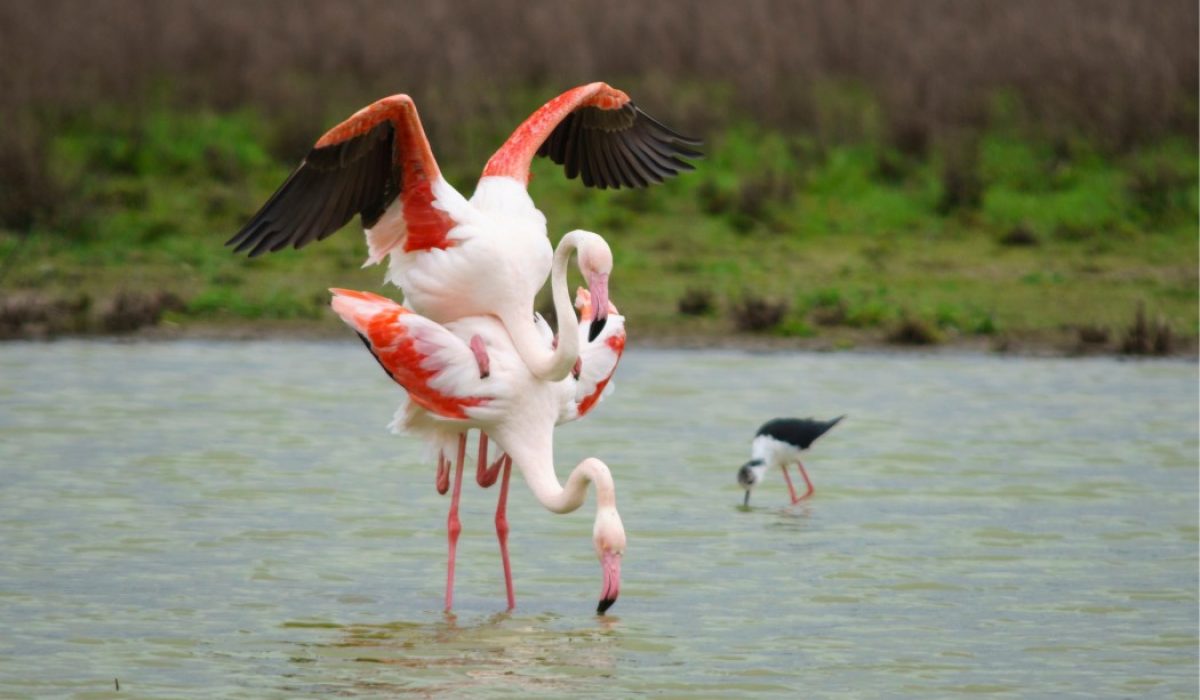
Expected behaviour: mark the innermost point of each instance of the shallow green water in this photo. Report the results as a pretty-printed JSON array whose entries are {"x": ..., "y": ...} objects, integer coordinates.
[{"x": 232, "y": 520}]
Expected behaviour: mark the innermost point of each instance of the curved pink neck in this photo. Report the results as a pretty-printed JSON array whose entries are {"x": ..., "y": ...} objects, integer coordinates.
[
  {"x": 550, "y": 365},
  {"x": 514, "y": 157},
  {"x": 530, "y": 443}
]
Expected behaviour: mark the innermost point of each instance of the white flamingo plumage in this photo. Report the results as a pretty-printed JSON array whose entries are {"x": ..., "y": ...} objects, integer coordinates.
[
  {"x": 449, "y": 395},
  {"x": 454, "y": 257}
]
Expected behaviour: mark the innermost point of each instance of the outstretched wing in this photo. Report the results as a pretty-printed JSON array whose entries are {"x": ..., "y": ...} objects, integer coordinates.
[
  {"x": 599, "y": 357},
  {"x": 359, "y": 167},
  {"x": 622, "y": 147},
  {"x": 438, "y": 370},
  {"x": 597, "y": 133}
]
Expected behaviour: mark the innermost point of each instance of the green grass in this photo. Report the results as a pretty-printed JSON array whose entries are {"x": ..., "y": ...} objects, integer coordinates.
[{"x": 851, "y": 236}]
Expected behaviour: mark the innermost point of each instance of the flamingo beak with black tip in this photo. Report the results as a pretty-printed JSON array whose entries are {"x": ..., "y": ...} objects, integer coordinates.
[
  {"x": 598, "y": 286},
  {"x": 608, "y": 536},
  {"x": 610, "y": 563}
]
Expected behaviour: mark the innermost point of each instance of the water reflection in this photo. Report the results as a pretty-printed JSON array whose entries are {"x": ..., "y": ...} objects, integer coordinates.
[{"x": 499, "y": 653}]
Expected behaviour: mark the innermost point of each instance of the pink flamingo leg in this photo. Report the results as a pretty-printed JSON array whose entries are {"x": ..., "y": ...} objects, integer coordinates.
[
  {"x": 791, "y": 489},
  {"x": 807, "y": 481},
  {"x": 442, "y": 482},
  {"x": 453, "y": 526},
  {"x": 502, "y": 529},
  {"x": 486, "y": 476}
]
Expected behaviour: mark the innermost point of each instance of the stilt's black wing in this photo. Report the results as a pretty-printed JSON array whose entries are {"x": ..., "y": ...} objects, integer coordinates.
[{"x": 800, "y": 432}]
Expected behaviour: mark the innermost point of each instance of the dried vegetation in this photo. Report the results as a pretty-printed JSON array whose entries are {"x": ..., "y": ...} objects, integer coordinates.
[{"x": 1114, "y": 69}]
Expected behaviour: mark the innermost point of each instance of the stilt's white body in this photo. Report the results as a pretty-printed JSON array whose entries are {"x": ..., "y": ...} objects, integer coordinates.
[
  {"x": 768, "y": 453},
  {"x": 773, "y": 453}
]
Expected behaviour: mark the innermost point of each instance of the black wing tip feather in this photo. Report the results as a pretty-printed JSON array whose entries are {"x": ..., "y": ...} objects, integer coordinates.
[
  {"x": 618, "y": 148},
  {"x": 371, "y": 349},
  {"x": 685, "y": 140},
  {"x": 329, "y": 187}
]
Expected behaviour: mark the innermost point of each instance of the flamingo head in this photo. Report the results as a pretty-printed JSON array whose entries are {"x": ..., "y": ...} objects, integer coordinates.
[
  {"x": 609, "y": 538},
  {"x": 596, "y": 263},
  {"x": 749, "y": 475}
]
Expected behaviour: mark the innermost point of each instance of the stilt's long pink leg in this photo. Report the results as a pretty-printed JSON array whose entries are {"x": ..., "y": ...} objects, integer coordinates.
[
  {"x": 486, "y": 476},
  {"x": 443, "y": 474},
  {"x": 502, "y": 529},
  {"x": 807, "y": 481},
  {"x": 791, "y": 489},
  {"x": 453, "y": 526}
]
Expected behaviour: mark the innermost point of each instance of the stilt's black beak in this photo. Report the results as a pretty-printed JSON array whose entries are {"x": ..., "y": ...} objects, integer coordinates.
[
  {"x": 746, "y": 500},
  {"x": 596, "y": 327}
]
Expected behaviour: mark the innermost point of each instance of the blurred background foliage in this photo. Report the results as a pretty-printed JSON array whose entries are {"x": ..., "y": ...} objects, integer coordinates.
[{"x": 905, "y": 170}]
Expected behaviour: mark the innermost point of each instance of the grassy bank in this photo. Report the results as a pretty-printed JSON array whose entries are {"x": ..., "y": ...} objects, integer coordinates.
[{"x": 998, "y": 238}]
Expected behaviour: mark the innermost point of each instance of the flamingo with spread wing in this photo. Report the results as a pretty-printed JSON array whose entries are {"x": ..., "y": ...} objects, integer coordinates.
[{"x": 454, "y": 257}]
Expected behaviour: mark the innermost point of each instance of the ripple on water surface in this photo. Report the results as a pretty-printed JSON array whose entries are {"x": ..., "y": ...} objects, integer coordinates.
[{"x": 233, "y": 520}]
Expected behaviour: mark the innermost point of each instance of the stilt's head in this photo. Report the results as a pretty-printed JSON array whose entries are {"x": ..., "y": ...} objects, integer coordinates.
[
  {"x": 749, "y": 476},
  {"x": 595, "y": 263},
  {"x": 609, "y": 537}
]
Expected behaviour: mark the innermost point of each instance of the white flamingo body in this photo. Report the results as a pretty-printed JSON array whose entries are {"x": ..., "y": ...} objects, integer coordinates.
[{"x": 499, "y": 259}]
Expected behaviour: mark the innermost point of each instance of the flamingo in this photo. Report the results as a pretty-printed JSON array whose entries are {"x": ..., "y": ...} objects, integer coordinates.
[
  {"x": 591, "y": 375},
  {"x": 778, "y": 443},
  {"x": 452, "y": 391},
  {"x": 454, "y": 257},
  {"x": 576, "y": 396}
]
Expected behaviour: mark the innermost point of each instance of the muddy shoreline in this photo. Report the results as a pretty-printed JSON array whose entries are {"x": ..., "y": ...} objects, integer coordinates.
[
  {"x": 154, "y": 317},
  {"x": 1060, "y": 345}
]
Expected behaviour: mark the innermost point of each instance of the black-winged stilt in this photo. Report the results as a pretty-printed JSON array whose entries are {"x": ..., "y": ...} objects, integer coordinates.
[{"x": 778, "y": 443}]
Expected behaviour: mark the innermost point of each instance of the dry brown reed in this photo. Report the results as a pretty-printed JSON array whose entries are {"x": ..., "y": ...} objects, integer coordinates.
[
  {"x": 1119, "y": 65},
  {"x": 1122, "y": 70}
]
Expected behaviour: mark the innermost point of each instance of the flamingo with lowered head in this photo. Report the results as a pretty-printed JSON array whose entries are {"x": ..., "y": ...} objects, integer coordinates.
[
  {"x": 454, "y": 257},
  {"x": 455, "y": 384},
  {"x": 576, "y": 396}
]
